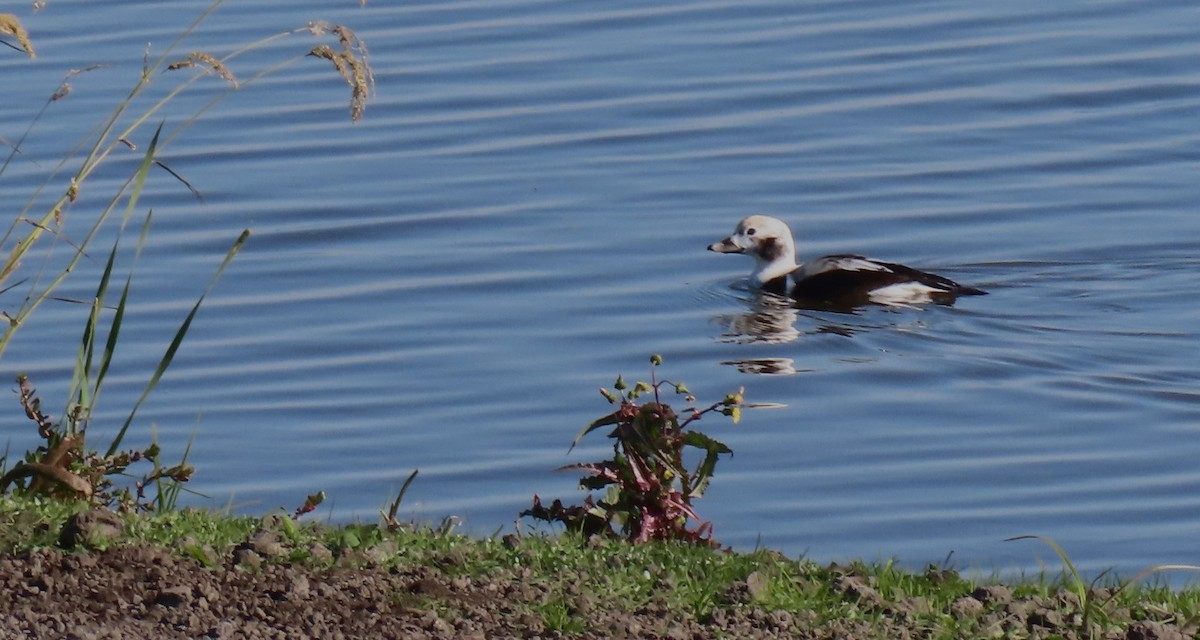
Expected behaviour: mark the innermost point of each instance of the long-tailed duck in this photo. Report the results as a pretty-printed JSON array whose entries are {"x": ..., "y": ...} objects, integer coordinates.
[{"x": 838, "y": 282}]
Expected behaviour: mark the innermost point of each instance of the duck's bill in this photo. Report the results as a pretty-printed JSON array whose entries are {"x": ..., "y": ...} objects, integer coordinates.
[{"x": 725, "y": 246}]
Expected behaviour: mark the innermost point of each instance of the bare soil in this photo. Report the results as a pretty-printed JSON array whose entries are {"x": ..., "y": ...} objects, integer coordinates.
[{"x": 152, "y": 592}]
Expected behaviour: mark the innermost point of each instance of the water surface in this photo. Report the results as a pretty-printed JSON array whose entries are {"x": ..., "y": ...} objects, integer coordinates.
[{"x": 523, "y": 214}]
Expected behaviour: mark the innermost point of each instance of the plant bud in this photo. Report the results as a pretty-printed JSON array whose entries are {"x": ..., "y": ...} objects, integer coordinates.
[
  {"x": 619, "y": 385},
  {"x": 656, "y": 359}
]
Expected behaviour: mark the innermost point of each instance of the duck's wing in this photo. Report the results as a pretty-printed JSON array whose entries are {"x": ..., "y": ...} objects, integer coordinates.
[
  {"x": 847, "y": 278},
  {"x": 841, "y": 262},
  {"x": 851, "y": 280},
  {"x": 931, "y": 280}
]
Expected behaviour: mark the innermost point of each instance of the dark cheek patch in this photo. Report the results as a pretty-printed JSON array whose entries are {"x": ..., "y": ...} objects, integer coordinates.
[{"x": 770, "y": 249}]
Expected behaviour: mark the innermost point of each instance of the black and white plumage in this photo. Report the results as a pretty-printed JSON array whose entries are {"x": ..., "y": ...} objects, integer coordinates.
[{"x": 837, "y": 282}]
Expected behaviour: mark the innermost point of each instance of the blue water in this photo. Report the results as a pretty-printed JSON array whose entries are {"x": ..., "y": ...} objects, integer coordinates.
[{"x": 523, "y": 213}]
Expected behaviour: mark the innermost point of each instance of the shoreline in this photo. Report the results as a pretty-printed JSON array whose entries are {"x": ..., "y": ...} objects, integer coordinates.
[{"x": 193, "y": 573}]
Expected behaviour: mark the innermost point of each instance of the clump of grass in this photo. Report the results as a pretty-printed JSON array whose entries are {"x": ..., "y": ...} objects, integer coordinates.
[
  {"x": 1093, "y": 602},
  {"x": 62, "y": 468},
  {"x": 649, "y": 487}
]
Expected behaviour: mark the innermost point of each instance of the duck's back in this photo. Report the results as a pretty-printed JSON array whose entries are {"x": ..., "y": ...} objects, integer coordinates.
[{"x": 852, "y": 280}]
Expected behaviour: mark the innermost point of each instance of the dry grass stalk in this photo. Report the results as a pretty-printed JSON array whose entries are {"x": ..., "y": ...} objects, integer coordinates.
[
  {"x": 10, "y": 25},
  {"x": 51, "y": 473},
  {"x": 351, "y": 63},
  {"x": 33, "y": 407},
  {"x": 205, "y": 61},
  {"x": 320, "y": 27},
  {"x": 354, "y": 71},
  {"x": 64, "y": 89}
]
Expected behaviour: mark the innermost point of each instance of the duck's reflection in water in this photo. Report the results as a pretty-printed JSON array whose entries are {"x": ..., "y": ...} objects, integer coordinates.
[
  {"x": 771, "y": 319},
  {"x": 764, "y": 366}
]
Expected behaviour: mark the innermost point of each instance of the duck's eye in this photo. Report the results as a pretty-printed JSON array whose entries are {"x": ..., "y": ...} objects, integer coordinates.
[{"x": 750, "y": 231}]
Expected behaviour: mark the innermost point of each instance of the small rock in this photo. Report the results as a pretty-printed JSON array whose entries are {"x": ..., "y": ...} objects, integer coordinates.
[
  {"x": 757, "y": 584},
  {"x": 223, "y": 629},
  {"x": 90, "y": 529},
  {"x": 782, "y": 620},
  {"x": 265, "y": 543},
  {"x": 1068, "y": 599},
  {"x": 272, "y": 521},
  {"x": 247, "y": 557},
  {"x": 1151, "y": 630},
  {"x": 997, "y": 594},
  {"x": 318, "y": 552},
  {"x": 966, "y": 607},
  {"x": 738, "y": 592},
  {"x": 675, "y": 631},
  {"x": 351, "y": 559},
  {"x": 173, "y": 596},
  {"x": 299, "y": 587},
  {"x": 858, "y": 588},
  {"x": 1049, "y": 618},
  {"x": 379, "y": 554}
]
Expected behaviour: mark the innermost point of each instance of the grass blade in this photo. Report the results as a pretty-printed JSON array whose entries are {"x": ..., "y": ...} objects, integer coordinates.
[
  {"x": 1077, "y": 582},
  {"x": 400, "y": 496},
  {"x": 165, "y": 362}
]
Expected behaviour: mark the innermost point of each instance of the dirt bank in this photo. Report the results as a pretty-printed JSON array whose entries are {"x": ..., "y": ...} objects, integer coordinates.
[{"x": 149, "y": 592}]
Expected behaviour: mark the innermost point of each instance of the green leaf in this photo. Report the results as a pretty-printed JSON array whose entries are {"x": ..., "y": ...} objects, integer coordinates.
[
  {"x": 704, "y": 471},
  {"x": 605, "y": 421},
  {"x": 703, "y": 441},
  {"x": 594, "y": 482}
]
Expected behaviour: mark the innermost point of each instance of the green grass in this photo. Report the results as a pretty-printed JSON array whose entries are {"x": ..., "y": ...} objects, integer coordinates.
[{"x": 577, "y": 575}]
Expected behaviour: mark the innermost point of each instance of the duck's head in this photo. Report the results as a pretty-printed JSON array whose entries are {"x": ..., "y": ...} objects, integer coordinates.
[{"x": 769, "y": 241}]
